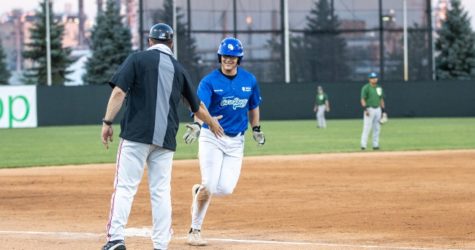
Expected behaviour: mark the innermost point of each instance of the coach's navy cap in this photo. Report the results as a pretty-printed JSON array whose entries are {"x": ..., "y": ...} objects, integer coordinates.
[{"x": 372, "y": 75}]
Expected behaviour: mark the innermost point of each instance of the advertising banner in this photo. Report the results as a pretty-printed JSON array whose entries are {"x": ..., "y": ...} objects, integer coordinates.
[{"x": 18, "y": 107}]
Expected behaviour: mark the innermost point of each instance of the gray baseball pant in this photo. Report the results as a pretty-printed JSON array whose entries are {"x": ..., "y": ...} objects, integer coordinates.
[
  {"x": 131, "y": 159},
  {"x": 371, "y": 122},
  {"x": 321, "y": 116}
]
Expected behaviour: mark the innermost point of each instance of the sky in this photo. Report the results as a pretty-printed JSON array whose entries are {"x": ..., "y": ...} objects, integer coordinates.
[
  {"x": 58, "y": 5},
  {"x": 90, "y": 6}
]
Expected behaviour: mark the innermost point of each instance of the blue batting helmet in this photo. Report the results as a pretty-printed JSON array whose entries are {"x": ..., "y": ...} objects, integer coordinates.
[
  {"x": 372, "y": 75},
  {"x": 231, "y": 46}
]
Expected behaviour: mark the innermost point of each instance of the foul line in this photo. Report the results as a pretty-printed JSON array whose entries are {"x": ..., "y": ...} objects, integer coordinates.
[
  {"x": 322, "y": 244},
  {"x": 136, "y": 232},
  {"x": 54, "y": 234}
]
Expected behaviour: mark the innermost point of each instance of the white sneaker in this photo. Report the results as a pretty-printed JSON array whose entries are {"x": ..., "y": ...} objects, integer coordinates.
[{"x": 194, "y": 238}]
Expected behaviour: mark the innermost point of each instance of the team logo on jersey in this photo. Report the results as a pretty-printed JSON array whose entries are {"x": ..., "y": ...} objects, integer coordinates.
[
  {"x": 246, "y": 89},
  {"x": 320, "y": 97},
  {"x": 235, "y": 102},
  {"x": 379, "y": 91}
]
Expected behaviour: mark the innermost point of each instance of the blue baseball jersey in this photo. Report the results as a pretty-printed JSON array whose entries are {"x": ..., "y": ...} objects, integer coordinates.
[{"x": 231, "y": 98}]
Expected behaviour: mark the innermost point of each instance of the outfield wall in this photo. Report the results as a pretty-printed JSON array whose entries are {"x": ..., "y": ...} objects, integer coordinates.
[
  {"x": 72, "y": 105},
  {"x": 86, "y": 104},
  {"x": 414, "y": 99}
]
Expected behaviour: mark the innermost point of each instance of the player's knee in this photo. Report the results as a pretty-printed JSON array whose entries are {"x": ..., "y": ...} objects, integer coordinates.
[
  {"x": 210, "y": 186},
  {"x": 125, "y": 189},
  {"x": 204, "y": 193},
  {"x": 224, "y": 190}
]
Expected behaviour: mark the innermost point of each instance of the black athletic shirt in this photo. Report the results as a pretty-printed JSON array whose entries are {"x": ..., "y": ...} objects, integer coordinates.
[{"x": 154, "y": 82}]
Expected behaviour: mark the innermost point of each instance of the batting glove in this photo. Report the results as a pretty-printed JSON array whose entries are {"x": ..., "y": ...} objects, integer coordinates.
[
  {"x": 192, "y": 132},
  {"x": 258, "y": 135}
]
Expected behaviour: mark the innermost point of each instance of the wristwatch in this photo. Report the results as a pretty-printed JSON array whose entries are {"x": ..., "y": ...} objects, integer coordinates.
[{"x": 106, "y": 122}]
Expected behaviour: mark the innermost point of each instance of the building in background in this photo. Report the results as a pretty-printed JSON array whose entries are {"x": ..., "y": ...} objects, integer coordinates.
[
  {"x": 130, "y": 12},
  {"x": 372, "y": 31},
  {"x": 73, "y": 36},
  {"x": 15, "y": 33},
  {"x": 441, "y": 10}
]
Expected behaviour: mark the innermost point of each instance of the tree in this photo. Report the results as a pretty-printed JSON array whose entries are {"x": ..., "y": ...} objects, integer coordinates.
[
  {"x": 111, "y": 44},
  {"x": 186, "y": 44},
  {"x": 456, "y": 46},
  {"x": 36, "y": 50},
  {"x": 4, "y": 73},
  {"x": 324, "y": 50},
  {"x": 275, "y": 72},
  {"x": 298, "y": 69}
]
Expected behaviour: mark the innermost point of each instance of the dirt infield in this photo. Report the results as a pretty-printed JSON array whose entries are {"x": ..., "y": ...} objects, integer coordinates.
[{"x": 400, "y": 200}]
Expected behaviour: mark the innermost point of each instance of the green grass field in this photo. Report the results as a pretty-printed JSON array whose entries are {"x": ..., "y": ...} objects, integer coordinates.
[{"x": 81, "y": 144}]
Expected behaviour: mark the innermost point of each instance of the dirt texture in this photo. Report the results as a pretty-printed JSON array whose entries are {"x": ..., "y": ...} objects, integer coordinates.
[{"x": 370, "y": 200}]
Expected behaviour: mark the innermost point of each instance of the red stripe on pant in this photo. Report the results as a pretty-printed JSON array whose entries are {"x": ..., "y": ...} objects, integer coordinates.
[{"x": 111, "y": 212}]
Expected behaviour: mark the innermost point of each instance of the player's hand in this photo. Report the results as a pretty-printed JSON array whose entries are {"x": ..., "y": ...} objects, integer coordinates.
[
  {"x": 366, "y": 112},
  {"x": 258, "y": 135},
  {"x": 327, "y": 109},
  {"x": 192, "y": 132},
  {"x": 315, "y": 109},
  {"x": 107, "y": 133},
  {"x": 215, "y": 127}
]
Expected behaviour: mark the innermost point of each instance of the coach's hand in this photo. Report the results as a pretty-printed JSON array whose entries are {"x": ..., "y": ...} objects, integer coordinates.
[
  {"x": 215, "y": 127},
  {"x": 258, "y": 135},
  {"x": 106, "y": 134},
  {"x": 192, "y": 132}
]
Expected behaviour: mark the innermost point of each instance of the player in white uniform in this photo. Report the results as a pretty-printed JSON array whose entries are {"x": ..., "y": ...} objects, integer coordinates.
[{"x": 231, "y": 93}]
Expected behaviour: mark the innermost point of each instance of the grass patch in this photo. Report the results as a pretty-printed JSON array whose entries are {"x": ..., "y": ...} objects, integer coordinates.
[{"x": 81, "y": 144}]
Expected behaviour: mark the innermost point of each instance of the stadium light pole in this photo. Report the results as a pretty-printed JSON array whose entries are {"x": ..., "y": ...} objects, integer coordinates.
[
  {"x": 431, "y": 24},
  {"x": 175, "y": 45},
  {"x": 48, "y": 45},
  {"x": 286, "y": 42},
  {"x": 406, "y": 59},
  {"x": 141, "y": 35}
]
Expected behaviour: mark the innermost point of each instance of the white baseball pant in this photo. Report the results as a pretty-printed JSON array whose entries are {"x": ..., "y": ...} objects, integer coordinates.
[
  {"x": 220, "y": 164},
  {"x": 371, "y": 121},
  {"x": 131, "y": 159},
  {"x": 321, "y": 116}
]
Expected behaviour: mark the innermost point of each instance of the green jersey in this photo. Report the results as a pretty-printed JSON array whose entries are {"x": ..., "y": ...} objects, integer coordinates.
[
  {"x": 321, "y": 99},
  {"x": 372, "y": 95}
]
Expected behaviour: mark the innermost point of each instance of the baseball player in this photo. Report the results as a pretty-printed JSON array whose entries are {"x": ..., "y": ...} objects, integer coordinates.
[
  {"x": 153, "y": 83},
  {"x": 232, "y": 94},
  {"x": 322, "y": 105},
  {"x": 372, "y": 101}
]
